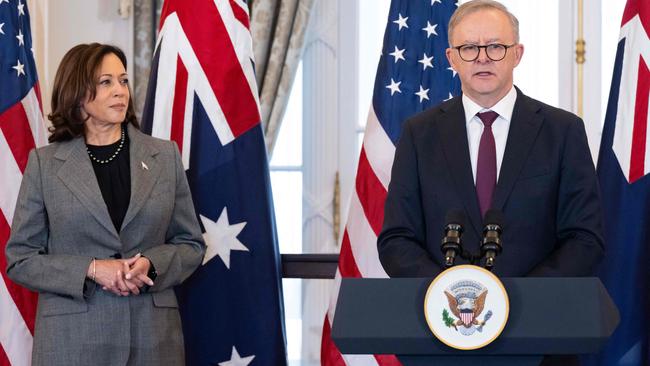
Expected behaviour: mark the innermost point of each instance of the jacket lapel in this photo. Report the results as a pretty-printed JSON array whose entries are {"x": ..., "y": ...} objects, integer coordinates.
[
  {"x": 524, "y": 127},
  {"x": 453, "y": 134},
  {"x": 145, "y": 170},
  {"x": 78, "y": 175}
]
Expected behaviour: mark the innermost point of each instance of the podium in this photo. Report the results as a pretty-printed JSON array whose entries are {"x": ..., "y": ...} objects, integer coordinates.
[{"x": 548, "y": 316}]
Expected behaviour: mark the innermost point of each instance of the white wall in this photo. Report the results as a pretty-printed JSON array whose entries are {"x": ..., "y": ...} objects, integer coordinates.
[{"x": 59, "y": 25}]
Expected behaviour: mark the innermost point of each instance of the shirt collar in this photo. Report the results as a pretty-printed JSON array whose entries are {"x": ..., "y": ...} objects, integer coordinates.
[{"x": 504, "y": 107}]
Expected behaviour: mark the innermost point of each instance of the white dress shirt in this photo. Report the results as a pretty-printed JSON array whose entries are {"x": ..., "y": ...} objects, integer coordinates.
[{"x": 500, "y": 127}]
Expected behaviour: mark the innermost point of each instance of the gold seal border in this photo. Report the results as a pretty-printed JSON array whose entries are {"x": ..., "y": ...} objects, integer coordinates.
[{"x": 497, "y": 281}]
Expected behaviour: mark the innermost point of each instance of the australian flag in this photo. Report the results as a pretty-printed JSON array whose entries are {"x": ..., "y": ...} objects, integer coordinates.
[
  {"x": 202, "y": 94},
  {"x": 623, "y": 167}
]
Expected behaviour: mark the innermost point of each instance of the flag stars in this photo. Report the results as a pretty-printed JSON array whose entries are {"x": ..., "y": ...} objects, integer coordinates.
[
  {"x": 452, "y": 71},
  {"x": 450, "y": 96},
  {"x": 430, "y": 29},
  {"x": 401, "y": 22},
  {"x": 20, "y": 68},
  {"x": 21, "y": 38},
  {"x": 2, "y": 25},
  {"x": 4, "y": 1},
  {"x": 426, "y": 61},
  {"x": 221, "y": 237},
  {"x": 423, "y": 94},
  {"x": 21, "y": 8},
  {"x": 394, "y": 87},
  {"x": 436, "y": 1},
  {"x": 398, "y": 54},
  {"x": 237, "y": 360}
]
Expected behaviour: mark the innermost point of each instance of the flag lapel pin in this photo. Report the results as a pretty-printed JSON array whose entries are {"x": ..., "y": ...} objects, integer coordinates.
[{"x": 144, "y": 166}]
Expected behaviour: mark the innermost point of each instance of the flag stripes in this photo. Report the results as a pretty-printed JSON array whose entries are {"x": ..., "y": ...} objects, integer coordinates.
[
  {"x": 178, "y": 108},
  {"x": 379, "y": 149},
  {"x": 366, "y": 215},
  {"x": 24, "y": 300},
  {"x": 21, "y": 129},
  {"x": 347, "y": 265},
  {"x": 371, "y": 193},
  {"x": 11, "y": 175},
  {"x": 639, "y": 132},
  {"x": 15, "y": 126}
]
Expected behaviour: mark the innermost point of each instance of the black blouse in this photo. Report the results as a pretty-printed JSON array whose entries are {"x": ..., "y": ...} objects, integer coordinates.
[{"x": 114, "y": 178}]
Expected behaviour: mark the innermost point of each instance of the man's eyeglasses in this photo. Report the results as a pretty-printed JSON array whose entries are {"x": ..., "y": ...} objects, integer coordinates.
[{"x": 494, "y": 51}]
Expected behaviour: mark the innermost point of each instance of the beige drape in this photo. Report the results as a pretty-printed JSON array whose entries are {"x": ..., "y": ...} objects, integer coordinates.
[
  {"x": 146, "y": 14},
  {"x": 278, "y": 28}
]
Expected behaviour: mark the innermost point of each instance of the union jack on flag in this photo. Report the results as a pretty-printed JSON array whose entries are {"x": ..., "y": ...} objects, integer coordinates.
[
  {"x": 413, "y": 75},
  {"x": 202, "y": 94},
  {"x": 21, "y": 129}
]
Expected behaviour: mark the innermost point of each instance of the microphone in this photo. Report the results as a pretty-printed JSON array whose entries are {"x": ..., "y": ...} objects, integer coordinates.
[
  {"x": 451, "y": 245},
  {"x": 491, "y": 245}
]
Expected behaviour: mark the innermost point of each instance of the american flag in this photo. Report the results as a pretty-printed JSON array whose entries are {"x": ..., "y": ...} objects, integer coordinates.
[
  {"x": 202, "y": 94},
  {"x": 413, "y": 74},
  {"x": 623, "y": 167},
  {"x": 21, "y": 129}
]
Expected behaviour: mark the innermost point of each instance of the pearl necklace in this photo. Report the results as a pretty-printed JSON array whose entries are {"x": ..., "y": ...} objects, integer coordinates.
[{"x": 119, "y": 148}]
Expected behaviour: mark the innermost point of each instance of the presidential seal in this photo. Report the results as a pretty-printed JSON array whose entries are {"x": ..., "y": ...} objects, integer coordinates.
[{"x": 466, "y": 307}]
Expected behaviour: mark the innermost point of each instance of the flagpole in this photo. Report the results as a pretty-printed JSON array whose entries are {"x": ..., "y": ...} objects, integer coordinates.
[{"x": 580, "y": 57}]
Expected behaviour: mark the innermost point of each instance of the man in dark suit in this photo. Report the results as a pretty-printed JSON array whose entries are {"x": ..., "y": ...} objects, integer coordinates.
[{"x": 493, "y": 147}]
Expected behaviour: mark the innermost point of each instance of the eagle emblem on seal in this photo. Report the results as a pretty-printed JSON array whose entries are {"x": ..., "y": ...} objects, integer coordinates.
[{"x": 466, "y": 302}]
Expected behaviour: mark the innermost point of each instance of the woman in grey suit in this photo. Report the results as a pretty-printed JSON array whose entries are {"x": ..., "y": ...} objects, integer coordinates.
[{"x": 104, "y": 225}]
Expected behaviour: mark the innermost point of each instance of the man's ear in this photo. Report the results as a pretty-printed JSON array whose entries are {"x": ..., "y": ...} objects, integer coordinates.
[
  {"x": 519, "y": 53},
  {"x": 449, "y": 54}
]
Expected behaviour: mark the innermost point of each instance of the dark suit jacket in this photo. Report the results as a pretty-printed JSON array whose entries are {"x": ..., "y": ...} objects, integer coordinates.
[{"x": 547, "y": 190}]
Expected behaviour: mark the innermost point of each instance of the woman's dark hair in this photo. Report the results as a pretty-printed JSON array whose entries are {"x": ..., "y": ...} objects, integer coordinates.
[{"x": 76, "y": 78}]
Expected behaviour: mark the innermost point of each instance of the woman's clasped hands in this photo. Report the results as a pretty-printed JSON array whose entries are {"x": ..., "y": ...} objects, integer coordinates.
[{"x": 121, "y": 276}]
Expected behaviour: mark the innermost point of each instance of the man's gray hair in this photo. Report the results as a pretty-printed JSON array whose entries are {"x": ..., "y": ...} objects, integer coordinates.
[{"x": 476, "y": 5}]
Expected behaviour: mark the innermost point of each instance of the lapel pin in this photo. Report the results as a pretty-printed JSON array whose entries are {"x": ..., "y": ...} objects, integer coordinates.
[{"x": 144, "y": 166}]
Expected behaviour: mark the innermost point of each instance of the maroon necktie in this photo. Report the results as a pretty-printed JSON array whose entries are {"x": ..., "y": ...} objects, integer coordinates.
[{"x": 486, "y": 166}]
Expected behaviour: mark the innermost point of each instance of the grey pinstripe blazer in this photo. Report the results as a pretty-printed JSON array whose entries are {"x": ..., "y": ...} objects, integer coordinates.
[{"x": 61, "y": 222}]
